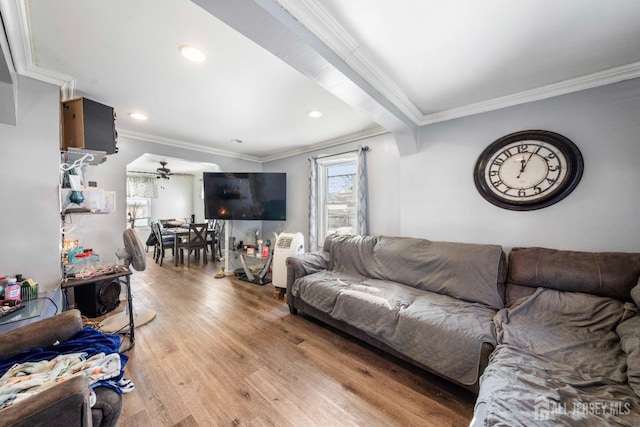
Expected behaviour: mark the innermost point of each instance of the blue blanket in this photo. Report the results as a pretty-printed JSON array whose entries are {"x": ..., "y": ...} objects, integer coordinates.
[{"x": 87, "y": 340}]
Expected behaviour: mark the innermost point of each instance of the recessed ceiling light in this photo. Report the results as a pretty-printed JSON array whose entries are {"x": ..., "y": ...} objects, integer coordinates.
[
  {"x": 314, "y": 114},
  {"x": 192, "y": 53},
  {"x": 138, "y": 116},
  {"x": 237, "y": 141}
]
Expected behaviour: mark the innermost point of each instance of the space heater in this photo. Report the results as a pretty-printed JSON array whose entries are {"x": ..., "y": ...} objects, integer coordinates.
[{"x": 288, "y": 244}]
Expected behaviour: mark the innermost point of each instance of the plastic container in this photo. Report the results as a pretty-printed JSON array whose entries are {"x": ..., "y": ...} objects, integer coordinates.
[{"x": 12, "y": 291}]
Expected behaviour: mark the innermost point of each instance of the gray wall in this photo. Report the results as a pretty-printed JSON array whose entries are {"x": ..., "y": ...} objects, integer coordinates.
[
  {"x": 103, "y": 233},
  {"x": 30, "y": 223},
  {"x": 383, "y": 165},
  {"x": 29, "y": 176},
  {"x": 432, "y": 195},
  {"x": 440, "y": 202}
]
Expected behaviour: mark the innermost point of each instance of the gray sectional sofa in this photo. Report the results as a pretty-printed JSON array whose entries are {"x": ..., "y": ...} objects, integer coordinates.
[
  {"x": 403, "y": 295},
  {"x": 552, "y": 340}
]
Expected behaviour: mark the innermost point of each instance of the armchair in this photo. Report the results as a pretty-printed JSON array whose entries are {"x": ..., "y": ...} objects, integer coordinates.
[{"x": 66, "y": 404}]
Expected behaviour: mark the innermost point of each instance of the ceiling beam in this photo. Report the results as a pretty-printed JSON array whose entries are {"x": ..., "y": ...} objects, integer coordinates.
[
  {"x": 8, "y": 81},
  {"x": 269, "y": 25}
]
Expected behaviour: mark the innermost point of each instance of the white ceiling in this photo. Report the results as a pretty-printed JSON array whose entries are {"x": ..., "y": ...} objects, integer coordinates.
[
  {"x": 151, "y": 162},
  {"x": 369, "y": 65}
]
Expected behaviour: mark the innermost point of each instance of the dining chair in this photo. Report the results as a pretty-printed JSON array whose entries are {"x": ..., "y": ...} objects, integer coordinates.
[
  {"x": 163, "y": 243},
  {"x": 214, "y": 238},
  {"x": 195, "y": 241}
]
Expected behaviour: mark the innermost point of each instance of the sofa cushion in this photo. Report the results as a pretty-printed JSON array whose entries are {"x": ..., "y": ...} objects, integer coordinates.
[
  {"x": 407, "y": 319},
  {"x": 569, "y": 327},
  {"x": 446, "y": 334},
  {"x": 470, "y": 272},
  {"x": 607, "y": 274},
  {"x": 353, "y": 255},
  {"x": 558, "y": 361},
  {"x": 519, "y": 388}
]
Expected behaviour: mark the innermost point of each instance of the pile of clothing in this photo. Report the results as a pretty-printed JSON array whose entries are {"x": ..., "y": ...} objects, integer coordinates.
[{"x": 90, "y": 353}]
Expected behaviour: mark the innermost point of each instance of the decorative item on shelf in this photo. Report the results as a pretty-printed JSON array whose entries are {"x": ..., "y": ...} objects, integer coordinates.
[{"x": 76, "y": 197}]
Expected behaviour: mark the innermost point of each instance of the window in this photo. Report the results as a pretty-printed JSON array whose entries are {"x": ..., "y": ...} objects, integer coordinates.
[
  {"x": 337, "y": 196},
  {"x": 138, "y": 211}
]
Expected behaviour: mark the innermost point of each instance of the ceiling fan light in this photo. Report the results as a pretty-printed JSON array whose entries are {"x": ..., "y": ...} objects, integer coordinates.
[
  {"x": 163, "y": 172},
  {"x": 192, "y": 53}
]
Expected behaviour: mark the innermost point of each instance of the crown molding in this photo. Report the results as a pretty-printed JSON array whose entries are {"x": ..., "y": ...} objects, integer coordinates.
[
  {"x": 313, "y": 16},
  {"x": 589, "y": 81},
  {"x": 182, "y": 144},
  {"x": 15, "y": 15},
  {"x": 368, "y": 133}
]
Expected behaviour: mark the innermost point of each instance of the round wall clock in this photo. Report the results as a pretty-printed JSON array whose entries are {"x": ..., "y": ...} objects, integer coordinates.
[{"x": 528, "y": 170}]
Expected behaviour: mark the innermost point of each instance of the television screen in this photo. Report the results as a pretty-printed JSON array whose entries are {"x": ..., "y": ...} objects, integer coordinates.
[{"x": 248, "y": 196}]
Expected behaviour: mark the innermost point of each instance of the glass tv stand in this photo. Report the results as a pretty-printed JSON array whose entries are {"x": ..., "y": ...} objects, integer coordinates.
[{"x": 250, "y": 268}]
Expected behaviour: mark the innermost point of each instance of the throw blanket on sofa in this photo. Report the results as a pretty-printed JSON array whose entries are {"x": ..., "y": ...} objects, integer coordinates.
[
  {"x": 88, "y": 344},
  {"x": 87, "y": 340},
  {"x": 570, "y": 366},
  {"x": 407, "y": 319},
  {"x": 27, "y": 379}
]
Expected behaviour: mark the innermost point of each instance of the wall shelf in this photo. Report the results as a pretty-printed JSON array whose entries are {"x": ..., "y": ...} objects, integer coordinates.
[{"x": 72, "y": 155}]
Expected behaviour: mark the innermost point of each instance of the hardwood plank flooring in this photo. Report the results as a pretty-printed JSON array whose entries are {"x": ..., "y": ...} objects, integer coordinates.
[{"x": 223, "y": 352}]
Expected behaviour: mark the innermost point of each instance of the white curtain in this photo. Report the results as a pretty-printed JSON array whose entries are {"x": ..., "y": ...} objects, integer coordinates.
[
  {"x": 313, "y": 203},
  {"x": 142, "y": 186},
  {"x": 363, "y": 199}
]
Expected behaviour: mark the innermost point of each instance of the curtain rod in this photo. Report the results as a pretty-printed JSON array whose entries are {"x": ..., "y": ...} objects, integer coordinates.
[{"x": 365, "y": 148}]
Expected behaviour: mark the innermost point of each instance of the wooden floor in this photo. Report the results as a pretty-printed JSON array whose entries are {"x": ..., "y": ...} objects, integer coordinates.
[{"x": 222, "y": 352}]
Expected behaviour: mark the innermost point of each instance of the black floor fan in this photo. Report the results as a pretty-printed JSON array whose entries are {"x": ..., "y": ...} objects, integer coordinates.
[{"x": 133, "y": 255}]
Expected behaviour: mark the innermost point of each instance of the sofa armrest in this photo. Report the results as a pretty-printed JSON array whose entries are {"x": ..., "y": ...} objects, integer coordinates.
[
  {"x": 302, "y": 265},
  {"x": 66, "y": 404},
  {"x": 42, "y": 333}
]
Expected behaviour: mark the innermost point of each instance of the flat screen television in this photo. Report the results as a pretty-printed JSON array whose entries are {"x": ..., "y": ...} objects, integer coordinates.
[{"x": 245, "y": 196}]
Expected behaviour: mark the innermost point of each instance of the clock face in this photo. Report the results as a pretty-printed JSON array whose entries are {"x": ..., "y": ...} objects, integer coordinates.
[{"x": 528, "y": 170}]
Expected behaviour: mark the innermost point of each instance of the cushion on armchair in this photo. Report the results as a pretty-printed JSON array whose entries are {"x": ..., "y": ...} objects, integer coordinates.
[{"x": 42, "y": 333}]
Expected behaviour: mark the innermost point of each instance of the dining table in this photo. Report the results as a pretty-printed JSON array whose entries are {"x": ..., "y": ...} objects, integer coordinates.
[{"x": 180, "y": 232}]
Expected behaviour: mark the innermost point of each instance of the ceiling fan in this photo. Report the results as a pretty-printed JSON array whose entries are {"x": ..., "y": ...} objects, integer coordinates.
[{"x": 163, "y": 172}]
